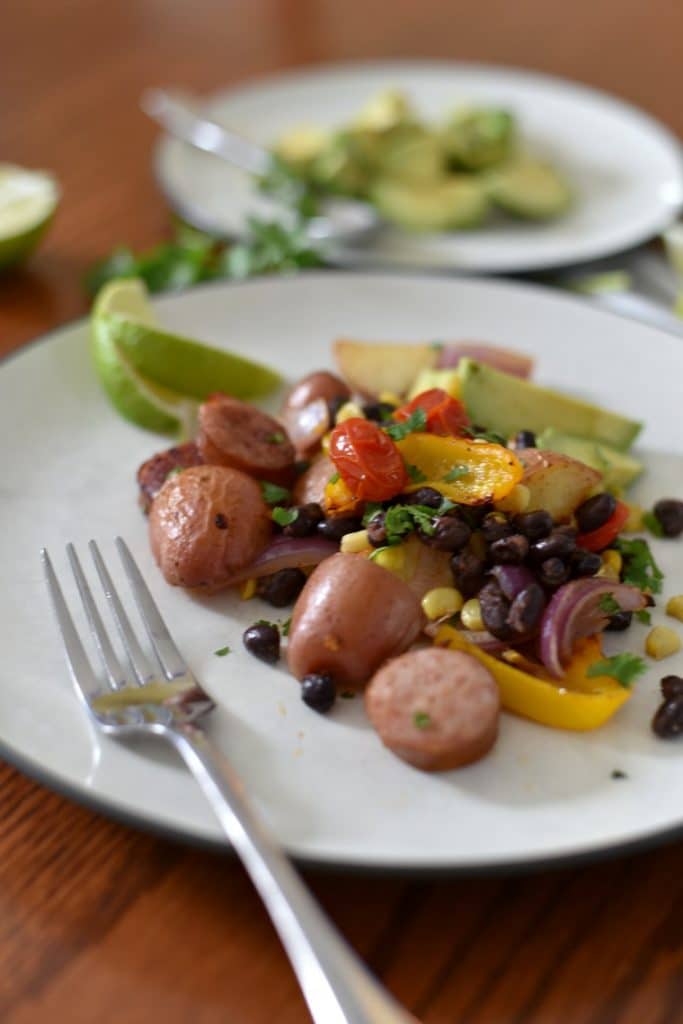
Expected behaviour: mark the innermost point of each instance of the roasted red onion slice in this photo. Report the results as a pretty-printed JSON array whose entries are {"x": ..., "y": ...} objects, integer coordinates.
[
  {"x": 288, "y": 553},
  {"x": 574, "y": 611},
  {"x": 505, "y": 359},
  {"x": 307, "y": 425},
  {"x": 512, "y": 579}
]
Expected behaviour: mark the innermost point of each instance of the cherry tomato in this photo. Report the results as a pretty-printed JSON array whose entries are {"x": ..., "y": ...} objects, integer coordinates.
[
  {"x": 367, "y": 460},
  {"x": 446, "y": 416},
  {"x": 598, "y": 540}
]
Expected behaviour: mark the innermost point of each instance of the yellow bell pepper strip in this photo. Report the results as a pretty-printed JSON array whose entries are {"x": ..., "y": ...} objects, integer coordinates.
[
  {"x": 576, "y": 702},
  {"x": 338, "y": 500},
  {"x": 468, "y": 472}
]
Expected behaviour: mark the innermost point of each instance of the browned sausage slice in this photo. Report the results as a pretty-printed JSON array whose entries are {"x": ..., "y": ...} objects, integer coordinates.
[
  {"x": 206, "y": 524},
  {"x": 350, "y": 617},
  {"x": 435, "y": 709},
  {"x": 233, "y": 433},
  {"x": 153, "y": 473}
]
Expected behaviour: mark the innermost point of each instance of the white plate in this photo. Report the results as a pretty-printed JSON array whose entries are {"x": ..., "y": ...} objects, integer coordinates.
[
  {"x": 624, "y": 166},
  {"x": 332, "y": 793}
]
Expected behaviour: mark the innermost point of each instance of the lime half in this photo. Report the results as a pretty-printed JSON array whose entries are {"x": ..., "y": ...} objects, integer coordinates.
[
  {"x": 28, "y": 200},
  {"x": 157, "y": 379}
]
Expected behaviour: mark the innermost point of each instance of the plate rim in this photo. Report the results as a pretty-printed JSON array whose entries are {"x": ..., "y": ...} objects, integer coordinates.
[
  {"x": 190, "y": 211},
  {"x": 111, "y": 808}
]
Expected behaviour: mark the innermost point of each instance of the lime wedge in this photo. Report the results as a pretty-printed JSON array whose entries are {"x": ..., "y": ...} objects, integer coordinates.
[
  {"x": 28, "y": 200},
  {"x": 157, "y": 379}
]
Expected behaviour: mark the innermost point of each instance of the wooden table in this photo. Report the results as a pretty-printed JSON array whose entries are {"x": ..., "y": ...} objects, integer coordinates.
[{"x": 102, "y": 924}]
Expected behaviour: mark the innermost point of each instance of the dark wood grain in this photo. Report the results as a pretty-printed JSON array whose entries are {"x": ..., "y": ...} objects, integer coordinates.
[{"x": 100, "y": 924}]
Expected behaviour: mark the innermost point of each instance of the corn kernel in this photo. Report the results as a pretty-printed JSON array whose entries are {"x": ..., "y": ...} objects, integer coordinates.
[
  {"x": 516, "y": 501},
  {"x": 611, "y": 565},
  {"x": 661, "y": 642},
  {"x": 390, "y": 397},
  {"x": 478, "y": 544},
  {"x": 349, "y": 411},
  {"x": 354, "y": 543},
  {"x": 392, "y": 559},
  {"x": 674, "y": 607},
  {"x": 441, "y": 601},
  {"x": 325, "y": 443},
  {"x": 634, "y": 523},
  {"x": 248, "y": 590},
  {"x": 470, "y": 615}
]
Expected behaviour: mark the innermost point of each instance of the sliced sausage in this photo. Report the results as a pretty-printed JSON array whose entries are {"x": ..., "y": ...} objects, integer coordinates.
[
  {"x": 153, "y": 473},
  {"x": 206, "y": 524},
  {"x": 233, "y": 433},
  {"x": 350, "y": 617},
  {"x": 435, "y": 709},
  {"x": 311, "y": 484}
]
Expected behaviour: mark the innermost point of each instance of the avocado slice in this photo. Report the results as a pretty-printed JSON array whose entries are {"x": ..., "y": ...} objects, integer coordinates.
[
  {"x": 618, "y": 469},
  {"x": 506, "y": 404},
  {"x": 455, "y": 202},
  {"x": 529, "y": 188},
  {"x": 479, "y": 138},
  {"x": 410, "y": 153}
]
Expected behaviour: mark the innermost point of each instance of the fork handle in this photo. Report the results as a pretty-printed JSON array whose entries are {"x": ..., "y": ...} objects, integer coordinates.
[{"x": 336, "y": 985}]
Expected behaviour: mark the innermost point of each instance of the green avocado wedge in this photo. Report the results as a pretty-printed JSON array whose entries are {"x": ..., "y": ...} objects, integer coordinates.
[{"x": 618, "y": 469}]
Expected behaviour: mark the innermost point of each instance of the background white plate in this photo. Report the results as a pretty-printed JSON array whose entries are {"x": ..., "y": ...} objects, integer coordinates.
[
  {"x": 331, "y": 791},
  {"x": 624, "y": 166}
]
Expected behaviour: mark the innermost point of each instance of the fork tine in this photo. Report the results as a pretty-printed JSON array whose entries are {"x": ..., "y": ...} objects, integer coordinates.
[
  {"x": 170, "y": 658},
  {"x": 112, "y": 666},
  {"x": 87, "y": 685},
  {"x": 139, "y": 661}
]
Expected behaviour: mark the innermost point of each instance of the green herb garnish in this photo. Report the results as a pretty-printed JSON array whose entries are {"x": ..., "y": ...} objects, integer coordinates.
[
  {"x": 373, "y": 554},
  {"x": 371, "y": 510},
  {"x": 484, "y": 435},
  {"x": 334, "y": 479},
  {"x": 284, "y": 626},
  {"x": 644, "y": 616},
  {"x": 273, "y": 494},
  {"x": 653, "y": 524},
  {"x": 222, "y": 651},
  {"x": 608, "y": 605},
  {"x": 640, "y": 568},
  {"x": 416, "y": 422},
  {"x": 276, "y": 438},
  {"x": 625, "y": 668},
  {"x": 400, "y": 520},
  {"x": 284, "y": 516},
  {"x": 415, "y": 473},
  {"x": 173, "y": 472},
  {"x": 421, "y": 720},
  {"x": 455, "y": 474},
  {"x": 347, "y": 695}
]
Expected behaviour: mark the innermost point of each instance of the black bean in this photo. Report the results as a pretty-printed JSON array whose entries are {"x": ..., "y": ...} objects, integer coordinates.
[
  {"x": 553, "y": 571},
  {"x": 526, "y": 610},
  {"x": 282, "y": 588},
  {"x": 534, "y": 525},
  {"x": 494, "y": 610},
  {"x": 585, "y": 563},
  {"x": 671, "y": 686},
  {"x": 376, "y": 529},
  {"x": 449, "y": 534},
  {"x": 556, "y": 545},
  {"x": 494, "y": 526},
  {"x": 525, "y": 439},
  {"x": 427, "y": 496},
  {"x": 619, "y": 622},
  {"x": 263, "y": 641},
  {"x": 318, "y": 691},
  {"x": 334, "y": 405},
  {"x": 336, "y": 527},
  {"x": 669, "y": 513},
  {"x": 510, "y": 550},
  {"x": 307, "y": 519},
  {"x": 468, "y": 572},
  {"x": 668, "y": 719},
  {"x": 595, "y": 512},
  {"x": 378, "y": 411}
]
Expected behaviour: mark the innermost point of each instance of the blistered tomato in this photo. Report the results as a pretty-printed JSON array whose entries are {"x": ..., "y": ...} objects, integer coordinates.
[
  {"x": 445, "y": 415},
  {"x": 367, "y": 460},
  {"x": 598, "y": 540}
]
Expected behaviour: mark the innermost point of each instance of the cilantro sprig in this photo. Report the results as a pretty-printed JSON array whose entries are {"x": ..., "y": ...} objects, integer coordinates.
[
  {"x": 608, "y": 605},
  {"x": 273, "y": 494},
  {"x": 455, "y": 473},
  {"x": 284, "y": 516},
  {"x": 416, "y": 422},
  {"x": 477, "y": 434},
  {"x": 624, "y": 667},
  {"x": 640, "y": 568}
]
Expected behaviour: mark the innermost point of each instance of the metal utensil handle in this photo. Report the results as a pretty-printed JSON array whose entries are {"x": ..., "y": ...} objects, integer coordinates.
[
  {"x": 178, "y": 118},
  {"x": 336, "y": 985}
]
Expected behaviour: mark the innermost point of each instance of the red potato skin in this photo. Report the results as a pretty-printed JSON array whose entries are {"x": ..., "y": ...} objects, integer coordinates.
[
  {"x": 153, "y": 473},
  {"x": 350, "y": 617},
  {"x": 457, "y": 693},
  {"x": 235, "y": 434},
  {"x": 320, "y": 384},
  {"x": 206, "y": 524},
  {"x": 311, "y": 484}
]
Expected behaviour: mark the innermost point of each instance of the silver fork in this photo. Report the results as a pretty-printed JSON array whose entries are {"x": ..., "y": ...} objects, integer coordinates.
[{"x": 167, "y": 701}]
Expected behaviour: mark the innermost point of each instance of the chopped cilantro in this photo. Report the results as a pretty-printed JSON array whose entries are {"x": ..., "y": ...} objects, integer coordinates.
[
  {"x": 402, "y": 519},
  {"x": 484, "y": 435},
  {"x": 415, "y": 473},
  {"x": 455, "y": 473},
  {"x": 371, "y": 510},
  {"x": 624, "y": 667},
  {"x": 221, "y": 652},
  {"x": 640, "y": 568},
  {"x": 173, "y": 472},
  {"x": 644, "y": 616},
  {"x": 416, "y": 421},
  {"x": 347, "y": 695},
  {"x": 334, "y": 479},
  {"x": 284, "y": 516},
  {"x": 273, "y": 494},
  {"x": 653, "y": 524},
  {"x": 277, "y": 438},
  {"x": 421, "y": 720},
  {"x": 284, "y": 626},
  {"x": 608, "y": 605},
  {"x": 373, "y": 554}
]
